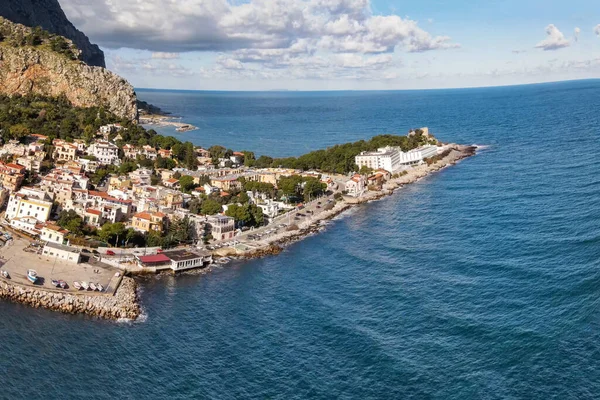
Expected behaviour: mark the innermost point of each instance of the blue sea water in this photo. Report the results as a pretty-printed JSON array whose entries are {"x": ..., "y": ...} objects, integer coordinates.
[{"x": 481, "y": 281}]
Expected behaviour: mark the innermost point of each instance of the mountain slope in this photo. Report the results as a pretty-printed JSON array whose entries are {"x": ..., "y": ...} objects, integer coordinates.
[
  {"x": 49, "y": 15},
  {"x": 33, "y": 61}
]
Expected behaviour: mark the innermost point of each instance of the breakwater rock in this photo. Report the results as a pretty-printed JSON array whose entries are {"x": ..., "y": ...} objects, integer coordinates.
[{"x": 123, "y": 305}]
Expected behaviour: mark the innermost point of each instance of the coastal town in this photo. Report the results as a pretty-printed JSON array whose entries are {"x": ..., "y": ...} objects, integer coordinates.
[{"x": 71, "y": 226}]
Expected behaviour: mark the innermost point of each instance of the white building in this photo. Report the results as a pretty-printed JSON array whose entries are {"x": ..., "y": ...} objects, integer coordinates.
[
  {"x": 62, "y": 252},
  {"x": 222, "y": 227},
  {"x": 355, "y": 186},
  {"x": 105, "y": 152},
  {"x": 25, "y": 224},
  {"x": 110, "y": 128},
  {"x": 424, "y": 152},
  {"x": 387, "y": 158},
  {"x": 53, "y": 234},
  {"x": 270, "y": 208},
  {"x": 29, "y": 202},
  {"x": 392, "y": 159},
  {"x": 184, "y": 259}
]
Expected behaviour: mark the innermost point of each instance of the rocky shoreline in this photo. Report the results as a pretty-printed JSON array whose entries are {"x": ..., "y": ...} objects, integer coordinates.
[
  {"x": 123, "y": 305},
  {"x": 456, "y": 153}
]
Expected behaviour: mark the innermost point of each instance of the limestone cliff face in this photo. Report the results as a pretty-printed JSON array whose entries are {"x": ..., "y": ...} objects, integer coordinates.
[
  {"x": 38, "y": 69},
  {"x": 49, "y": 15}
]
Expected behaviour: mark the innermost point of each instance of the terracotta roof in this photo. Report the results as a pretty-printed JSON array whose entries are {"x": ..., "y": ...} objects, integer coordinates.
[
  {"x": 15, "y": 166},
  {"x": 148, "y": 216},
  {"x": 172, "y": 180},
  {"x": 143, "y": 215},
  {"x": 155, "y": 258},
  {"x": 92, "y": 211}
]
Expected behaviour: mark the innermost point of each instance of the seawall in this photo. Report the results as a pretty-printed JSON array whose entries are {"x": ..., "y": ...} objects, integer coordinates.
[{"x": 123, "y": 305}]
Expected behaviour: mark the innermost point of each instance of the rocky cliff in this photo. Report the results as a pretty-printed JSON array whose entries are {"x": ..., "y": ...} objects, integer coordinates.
[
  {"x": 48, "y": 65},
  {"x": 49, "y": 15}
]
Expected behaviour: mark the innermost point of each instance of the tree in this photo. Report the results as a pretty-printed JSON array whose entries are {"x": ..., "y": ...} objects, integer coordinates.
[
  {"x": 290, "y": 185},
  {"x": 71, "y": 221},
  {"x": 211, "y": 207},
  {"x": 249, "y": 158},
  {"x": 19, "y": 131},
  {"x": 313, "y": 187},
  {"x": 364, "y": 170},
  {"x": 187, "y": 183},
  {"x": 195, "y": 206},
  {"x": 114, "y": 233},
  {"x": 243, "y": 198}
]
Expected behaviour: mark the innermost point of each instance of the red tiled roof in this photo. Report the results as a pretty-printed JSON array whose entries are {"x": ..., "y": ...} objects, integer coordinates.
[
  {"x": 143, "y": 215},
  {"x": 92, "y": 211},
  {"x": 154, "y": 259},
  {"x": 15, "y": 166}
]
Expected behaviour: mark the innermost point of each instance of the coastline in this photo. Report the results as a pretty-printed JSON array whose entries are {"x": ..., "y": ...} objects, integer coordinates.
[
  {"x": 275, "y": 244},
  {"x": 165, "y": 120},
  {"x": 124, "y": 304}
]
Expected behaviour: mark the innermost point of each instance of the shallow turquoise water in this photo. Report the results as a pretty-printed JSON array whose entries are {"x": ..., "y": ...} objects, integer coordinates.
[{"x": 481, "y": 281}]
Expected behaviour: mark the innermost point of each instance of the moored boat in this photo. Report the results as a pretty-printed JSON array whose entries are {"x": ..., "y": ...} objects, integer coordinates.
[
  {"x": 32, "y": 275},
  {"x": 93, "y": 286},
  {"x": 77, "y": 285},
  {"x": 100, "y": 287},
  {"x": 63, "y": 284},
  {"x": 5, "y": 274},
  {"x": 55, "y": 283},
  {"x": 85, "y": 285}
]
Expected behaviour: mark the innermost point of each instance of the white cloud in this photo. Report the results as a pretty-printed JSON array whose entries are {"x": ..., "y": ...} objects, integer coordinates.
[
  {"x": 555, "y": 39},
  {"x": 576, "y": 33},
  {"x": 165, "y": 56},
  {"x": 597, "y": 30},
  {"x": 221, "y": 25}
]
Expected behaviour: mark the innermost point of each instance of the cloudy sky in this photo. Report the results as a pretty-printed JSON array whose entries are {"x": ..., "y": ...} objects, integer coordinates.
[{"x": 342, "y": 44}]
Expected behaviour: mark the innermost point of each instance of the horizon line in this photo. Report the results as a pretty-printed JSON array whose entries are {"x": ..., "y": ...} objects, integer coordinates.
[{"x": 283, "y": 90}]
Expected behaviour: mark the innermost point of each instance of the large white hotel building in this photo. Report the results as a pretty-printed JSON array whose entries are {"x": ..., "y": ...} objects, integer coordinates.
[{"x": 393, "y": 159}]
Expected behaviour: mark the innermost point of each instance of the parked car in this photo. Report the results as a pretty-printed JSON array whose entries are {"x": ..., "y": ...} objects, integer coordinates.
[{"x": 110, "y": 253}]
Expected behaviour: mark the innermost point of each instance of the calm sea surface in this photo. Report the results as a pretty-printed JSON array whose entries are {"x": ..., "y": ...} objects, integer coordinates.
[{"x": 481, "y": 281}]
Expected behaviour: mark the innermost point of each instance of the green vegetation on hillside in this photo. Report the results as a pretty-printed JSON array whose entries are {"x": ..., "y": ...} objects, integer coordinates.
[
  {"x": 340, "y": 158},
  {"x": 21, "y": 116},
  {"x": 37, "y": 37}
]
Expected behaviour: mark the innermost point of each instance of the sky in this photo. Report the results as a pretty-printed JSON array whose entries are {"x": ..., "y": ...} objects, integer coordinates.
[{"x": 342, "y": 44}]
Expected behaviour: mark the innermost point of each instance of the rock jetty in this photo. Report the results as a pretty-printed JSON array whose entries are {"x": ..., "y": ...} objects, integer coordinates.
[{"x": 123, "y": 305}]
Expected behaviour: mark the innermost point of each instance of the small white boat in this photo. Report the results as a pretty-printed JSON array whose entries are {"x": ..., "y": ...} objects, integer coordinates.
[
  {"x": 5, "y": 274},
  {"x": 63, "y": 284},
  {"x": 32, "y": 275},
  {"x": 99, "y": 287},
  {"x": 85, "y": 285},
  {"x": 93, "y": 286},
  {"x": 55, "y": 283},
  {"x": 77, "y": 285}
]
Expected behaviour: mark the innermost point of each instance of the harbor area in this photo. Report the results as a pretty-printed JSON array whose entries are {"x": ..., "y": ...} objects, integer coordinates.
[{"x": 19, "y": 255}]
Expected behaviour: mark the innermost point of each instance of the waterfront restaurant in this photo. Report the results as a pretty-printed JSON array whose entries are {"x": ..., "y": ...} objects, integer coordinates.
[
  {"x": 177, "y": 260},
  {"x": 184, "y": 259},
  {"x": 158, "y": 261}
]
